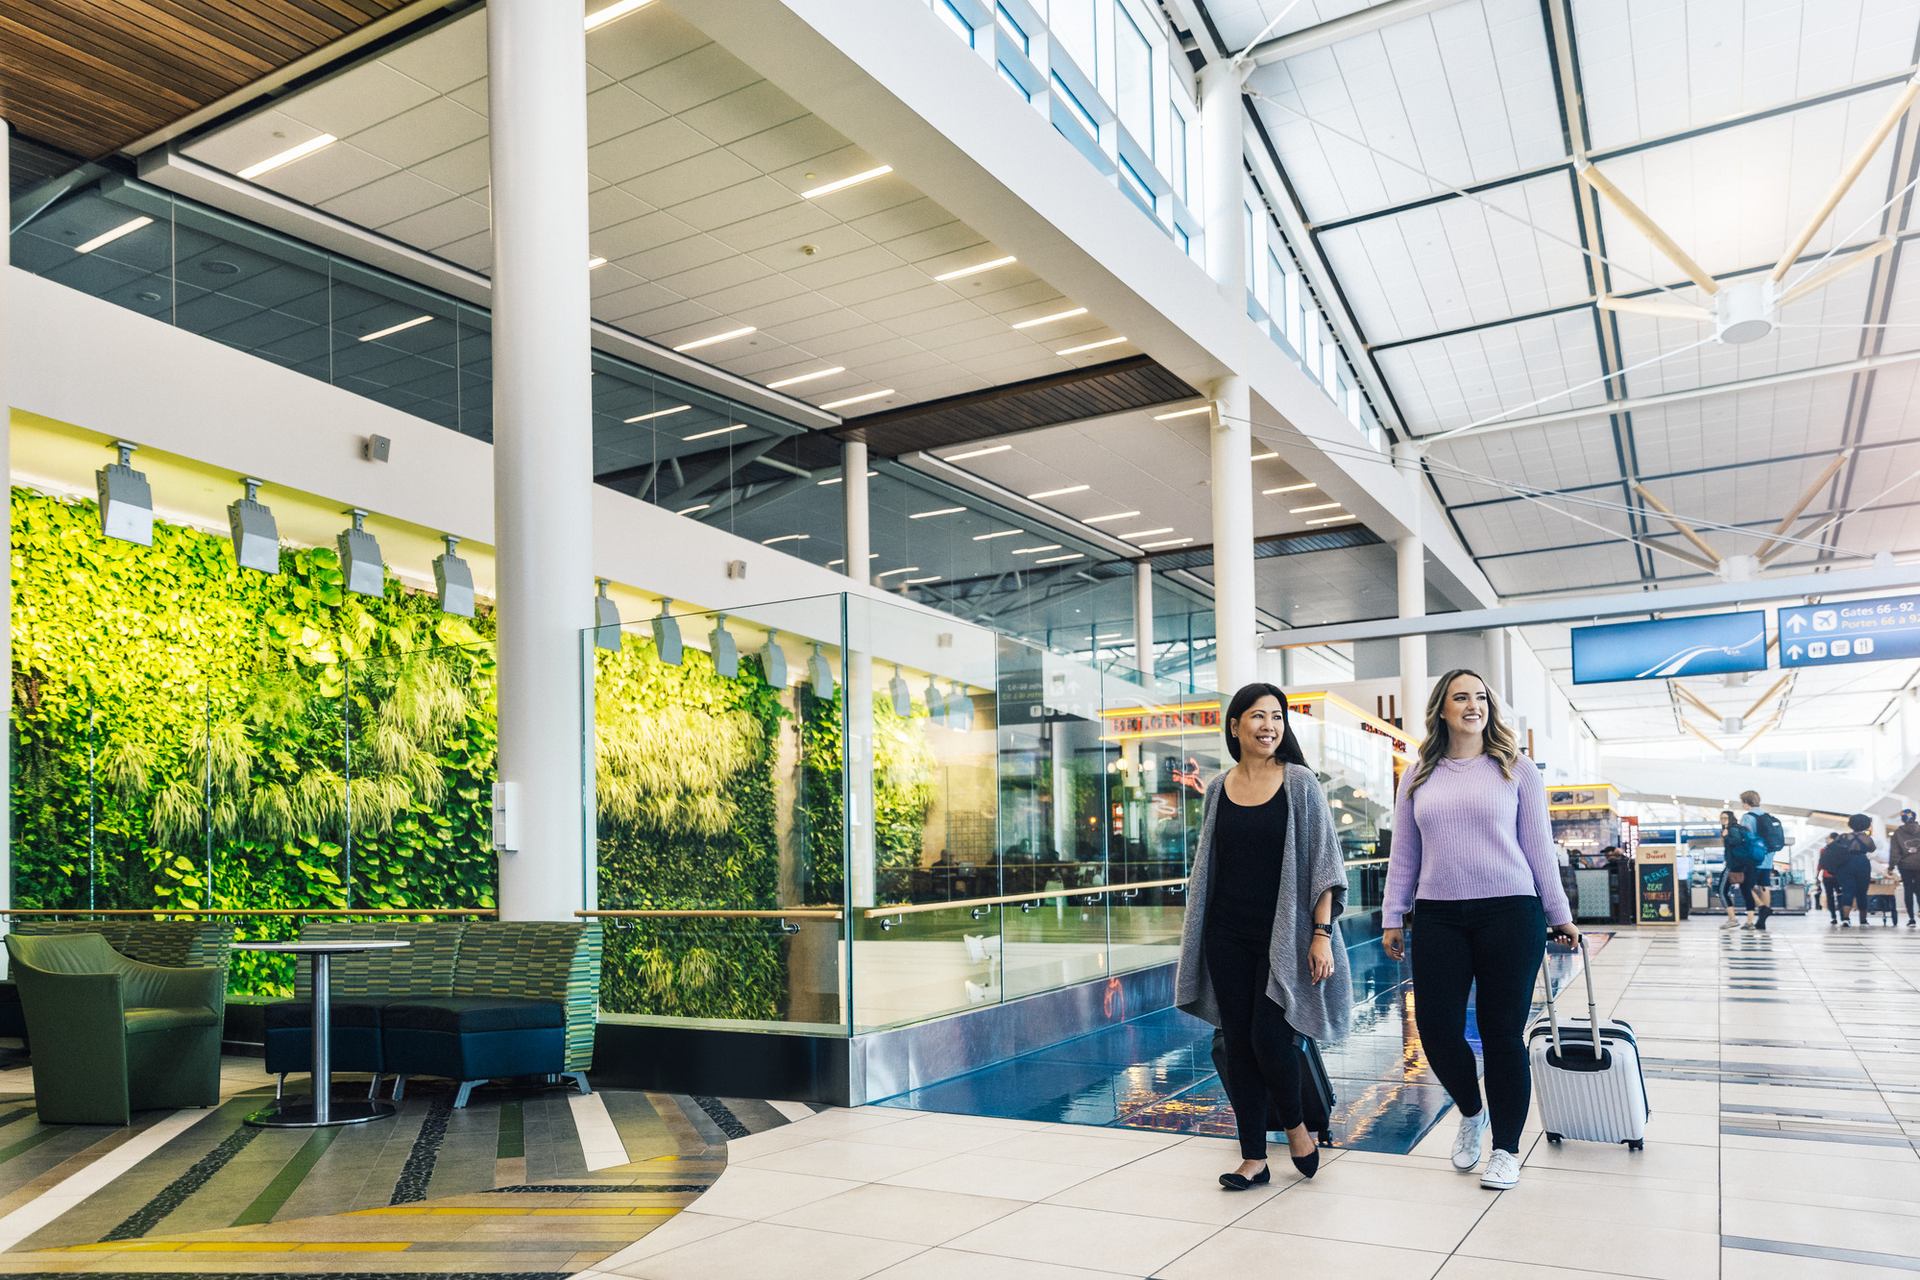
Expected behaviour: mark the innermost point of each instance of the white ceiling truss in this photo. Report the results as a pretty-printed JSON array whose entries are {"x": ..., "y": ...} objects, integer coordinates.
[{"x": 1530, "y": 211}]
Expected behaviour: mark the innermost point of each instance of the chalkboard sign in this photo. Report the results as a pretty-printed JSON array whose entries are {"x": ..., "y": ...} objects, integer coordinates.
[{"x": 1655, "y": 885}]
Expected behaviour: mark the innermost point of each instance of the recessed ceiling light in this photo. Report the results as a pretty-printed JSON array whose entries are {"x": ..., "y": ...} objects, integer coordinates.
[
  {"x": 799, "y": 378},
  {"x": 1117, "y": 515},
  {"x": 1169, "y": 542},
  {"x": 937, "y": 511},
  {"x": 871, "y": 555},
  {"x": 392, "y": 329},
  {"x": 618, "y": 9},
  {"x": 1182, "y": 413},
  {"x": 687, "y": 511},
  {"x": 1289, "y": 488},
  {"x": 838, "y": 479},
  {"x": 1056, "y": 493},
  {"x": 1111, "y": 635},
  {"x": 1091, "y": 346},
  {"x": 1058, "y": 315},
  {"x": 918, "y": 582},
  {"x": 785, "y": 537},
  {"x": 976, "y": 453},
  {"x": 1333, "y": 520},
  {"x": 860, "y": 399},
  {"x": 1146, "y": 533},
  {"x": 1318, "y": 506},
  {"x": 716, "y": 431},
  {"x": 596, "y": 262},
  {"x": 1034, "y": 551},
  {"x": 1262, "y": 457},
  {"x": 728, "y": 336},
  {"x": 126, "y": 228},
  {"x": 661, "y": 413},
  {"x": 975, "y": 269},
  {"x": 912, "y": 568},
  {"x": 1061, "y": 559},
  {"x": 841, "y": 184},
  {"x": 1003, "y": 533},
  {"x": 300, "y": 152}
]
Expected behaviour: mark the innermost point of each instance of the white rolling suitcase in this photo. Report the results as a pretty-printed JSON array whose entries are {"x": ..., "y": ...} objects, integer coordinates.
[{"x": 1589, "y": 1085}]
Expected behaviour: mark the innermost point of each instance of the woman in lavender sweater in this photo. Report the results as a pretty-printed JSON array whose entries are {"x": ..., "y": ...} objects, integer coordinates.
[{"x": 1473, "y": 864}]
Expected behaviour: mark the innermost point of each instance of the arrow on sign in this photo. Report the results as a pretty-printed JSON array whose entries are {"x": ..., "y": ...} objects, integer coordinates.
[
  {"x": 1793, "y": 650},
  {"x": 1797, "y": 624}
]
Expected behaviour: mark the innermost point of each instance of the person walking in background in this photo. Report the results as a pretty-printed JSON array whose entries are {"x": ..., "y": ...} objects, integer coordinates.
[
  {"x": 1473, "y": 865},
  {"x": 1903, "y": 860},
  {"x": 1737, "y": 862},
  {"x": 1853, "y": 867},
  {"x": 1260, "y": 954},
  {"x": 1827, "y": 875},
  {"x": 1769, "y": 838}
]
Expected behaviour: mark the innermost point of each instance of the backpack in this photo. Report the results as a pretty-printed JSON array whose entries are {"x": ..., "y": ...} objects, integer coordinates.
[
  {"x": 1737, "y": 846},
  {"x": 1772, "y": 835}
]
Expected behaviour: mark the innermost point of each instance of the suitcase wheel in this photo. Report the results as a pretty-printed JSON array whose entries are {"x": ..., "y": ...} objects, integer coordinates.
[
  {"x": 1637, "y": 1144},
  {"x": 1554, "y": 1138}
]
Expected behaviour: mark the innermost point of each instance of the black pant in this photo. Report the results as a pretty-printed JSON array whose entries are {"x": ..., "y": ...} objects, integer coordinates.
[
  {"x": 1262, "y": 1062},
  {"x": 1910, "y": 890},
  {"x": 1856, "y": 876},
  {"x": 1494, "y": 945}
]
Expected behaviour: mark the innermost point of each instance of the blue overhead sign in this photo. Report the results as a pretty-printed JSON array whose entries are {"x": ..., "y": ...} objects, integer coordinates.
[
  {"x": 1819, "y": 635},
  {"x": 1701, "y": 646}
]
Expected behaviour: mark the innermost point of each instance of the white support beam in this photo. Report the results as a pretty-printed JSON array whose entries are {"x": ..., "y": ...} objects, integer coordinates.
[
  {"x": 1322, "y": 34},
  {"x": 1883, "y": 575}
]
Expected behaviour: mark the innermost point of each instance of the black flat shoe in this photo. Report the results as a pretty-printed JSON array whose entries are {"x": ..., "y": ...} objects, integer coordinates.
[
  {"x": 1308, "y": 1165},
  {"x": 1240, "y": 1182}
]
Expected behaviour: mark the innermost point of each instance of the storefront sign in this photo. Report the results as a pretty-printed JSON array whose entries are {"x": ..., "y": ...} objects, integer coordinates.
[
  {"x": 1711, "y": 644},
  {"x": 1855, "y": 631},
  {"x": 1164, "y": 722},
  {"x": 1656, "y": 885}
]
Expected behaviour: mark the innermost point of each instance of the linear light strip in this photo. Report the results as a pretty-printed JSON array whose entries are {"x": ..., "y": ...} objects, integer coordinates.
[
  {"x": 1169, "y": 542},
  {"x": 960, "y": 273},
  {"x": 937, "y": 511},
  {"x": 1060, "y": 493},
  {"x": 919, "y": 582},
  {"x": 661, "y": 413},
  {"x": 299, "y": 151},
  {"x": 126, "y": 228},
  {"x": 717, "y": 431},
  {"x": 1333, "y": 520},
  {"x": 613, "y": 12},
  {"x": 1146, "y": 533},
  {"x": 976, "y": 453},
  {"x": 1003, "y": 533},
  {"x": 1262, "y": 457},
  {"x": 1318, "y": 506},
  {"x": 1090, "y": 346},
  {"x": 1034, "y": 551},
  {"x": 708, "y": 341},
  {"x": 392, "y": 329},
  {"x": 1182, "y": 413},
  {"x": 841, "y": 184},
  {"x": 1058, "y": 315},
  {"x": 785, "y": 537},
  {"x": 1060, "y": 559},
  {"x": 859, "y": 399},
  {"x": 912, "y": 568},
  {"x": 1289, "y": 488},
  {"x": 797, "y": 379},
  {"x": 1117, "y": 515}
]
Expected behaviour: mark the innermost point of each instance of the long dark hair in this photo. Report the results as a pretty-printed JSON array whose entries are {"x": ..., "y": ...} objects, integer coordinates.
[{"x": 1289, "y": 752}]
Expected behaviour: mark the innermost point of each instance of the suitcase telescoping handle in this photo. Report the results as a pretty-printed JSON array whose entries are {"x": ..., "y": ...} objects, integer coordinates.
[{"x": 1593, "y": 1004}]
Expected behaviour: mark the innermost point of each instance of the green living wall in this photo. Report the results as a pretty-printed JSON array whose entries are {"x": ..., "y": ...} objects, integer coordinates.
[{"x": 187, "y": 735}]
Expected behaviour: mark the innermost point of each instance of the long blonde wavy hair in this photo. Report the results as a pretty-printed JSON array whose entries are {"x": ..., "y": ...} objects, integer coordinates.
[{"x": 1496, "y": 739}]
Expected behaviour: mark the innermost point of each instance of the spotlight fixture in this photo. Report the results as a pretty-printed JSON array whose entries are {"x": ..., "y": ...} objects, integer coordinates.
[
  {"x": 820, "y": 672},
  {"x": 126, "y": 502},
  {"x": 360, "y": 559},
  {"x": 902, "y": 696},
  {"x": 726, "y": 653},
  {"x": 773, "y": 660},
  {"x": 936, "y": 702},
  {"x": 959, "y": 708},
  {"x": 256, "y": 536},
  {"x": 453, "y": 579},
  {"x": 606, "y": 618},
  {"x": 666, "y": 636}
]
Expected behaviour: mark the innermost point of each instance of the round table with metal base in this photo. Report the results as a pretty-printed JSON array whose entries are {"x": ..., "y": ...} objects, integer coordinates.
[{"x": 321, "y": 1111}]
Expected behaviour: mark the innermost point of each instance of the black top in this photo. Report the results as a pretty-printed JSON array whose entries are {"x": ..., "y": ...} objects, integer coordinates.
[{"x": 1249, "y": 845}]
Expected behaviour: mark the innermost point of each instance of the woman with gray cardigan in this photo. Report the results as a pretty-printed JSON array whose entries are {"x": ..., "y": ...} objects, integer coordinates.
[{"x": 1260, "y": 954}]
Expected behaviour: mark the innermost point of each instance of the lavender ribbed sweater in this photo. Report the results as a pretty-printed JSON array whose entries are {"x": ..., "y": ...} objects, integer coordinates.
[{"x": 1470, "y": 833}]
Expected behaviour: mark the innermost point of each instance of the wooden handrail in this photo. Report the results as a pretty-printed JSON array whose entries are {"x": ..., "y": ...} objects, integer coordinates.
[
  {"x": 240, "y": 911},
  {"x": 1085, "y": 891},
  {"x": 698, "y": 913}
]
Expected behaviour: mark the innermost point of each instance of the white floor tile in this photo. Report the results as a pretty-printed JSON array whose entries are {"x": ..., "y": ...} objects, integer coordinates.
[
  {"x": 911, "y": 1215},
  {"x": 752, "y": 1195},
  {"x": 847, "y": 1158},
  {"x": 765, "y": 1251},
  {"x": 1132, "y": 1190},
  {"x": 1365, "y": 1219},
  {"x": 1238, "y": 1253},
  {"x": 1610, "y": 1247},
  {"x": 951, "y": 1264},
  {"x": 980, "y": 1175},
  {"x": 1085, "y": 1238}
]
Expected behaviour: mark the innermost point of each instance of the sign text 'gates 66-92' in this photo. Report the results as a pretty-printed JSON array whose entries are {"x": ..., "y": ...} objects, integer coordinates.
[{"x": 1818, "y": 635}]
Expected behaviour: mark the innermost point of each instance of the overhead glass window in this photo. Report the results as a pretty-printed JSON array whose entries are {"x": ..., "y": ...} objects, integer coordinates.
[
  {"x": 1012, "y": 79},
  {"x": 1133, "y": 78},
  {"x": 1072, "y": 24},
  {"x": 1185, "y": 241},
  {"x": 1011, "y": 29},
  {"x": 1074, "y": 105},
  {"x": 1247, "y": 249},
  {"x": 955, "y": 19},
  {"x": 1177, "y": 155},
  {"x": 1135, "y": 185}
]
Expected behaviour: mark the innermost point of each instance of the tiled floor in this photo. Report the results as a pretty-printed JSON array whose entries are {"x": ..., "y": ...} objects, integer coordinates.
[
  {"x": 1156, "y": 1072},
  {"x": 1784, "y": 1070}
]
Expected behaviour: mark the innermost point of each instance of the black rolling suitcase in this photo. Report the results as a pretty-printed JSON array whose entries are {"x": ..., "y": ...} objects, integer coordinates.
[{"x": 1316, "y": 1087}]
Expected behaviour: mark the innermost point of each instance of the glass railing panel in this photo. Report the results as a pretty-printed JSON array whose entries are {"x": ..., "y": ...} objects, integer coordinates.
[
  {"x": 1056, "y": 940},
  {"x": 911, "y": 965}
]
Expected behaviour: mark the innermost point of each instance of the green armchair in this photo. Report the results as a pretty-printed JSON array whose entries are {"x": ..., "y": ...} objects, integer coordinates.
[{"x": 112, "y": 1036}]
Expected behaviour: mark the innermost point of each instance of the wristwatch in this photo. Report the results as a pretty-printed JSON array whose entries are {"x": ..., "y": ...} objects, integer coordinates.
[{"x": 1324, "y": 930}]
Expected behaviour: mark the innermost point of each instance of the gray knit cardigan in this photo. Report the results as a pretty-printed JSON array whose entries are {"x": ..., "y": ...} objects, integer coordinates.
[{"x": 1312, "y": 866}]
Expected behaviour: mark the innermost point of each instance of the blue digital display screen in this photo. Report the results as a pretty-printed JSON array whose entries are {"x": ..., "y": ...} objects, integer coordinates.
[{"x": 1711, "y": 644}]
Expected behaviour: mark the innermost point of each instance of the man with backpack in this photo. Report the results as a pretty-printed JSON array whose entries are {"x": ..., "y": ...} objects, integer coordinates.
[
  {"x": 1769, "y": 838},
  {"x": 1903, "y": 860}
]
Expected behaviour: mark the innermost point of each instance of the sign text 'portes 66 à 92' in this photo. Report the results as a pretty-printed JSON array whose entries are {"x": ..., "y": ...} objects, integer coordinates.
[{"x": 1819, "y": 635}]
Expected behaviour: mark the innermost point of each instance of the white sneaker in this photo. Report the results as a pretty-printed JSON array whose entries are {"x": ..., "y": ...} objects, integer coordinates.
[
  {"x": 1730, "y": 924},
  {"x": 1503, "y": 1171},
  {"x": 1746, "y": 924},
  {"x": 1467, "y": 1143}
]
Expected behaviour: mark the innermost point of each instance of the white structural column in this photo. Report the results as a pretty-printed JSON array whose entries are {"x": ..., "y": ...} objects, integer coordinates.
[
  {"x": 6, "y": 562},
  {"x": 1223, "y": 175},
  {"x": 859, "y": 676},
  {"x": 1495, "y": 640},
  {"x": 1232, "y": 455},
  {"x": 1143, "y": 617},
  {"x": 542, "y": 442},
  {"x": 1411, "y": 554}
]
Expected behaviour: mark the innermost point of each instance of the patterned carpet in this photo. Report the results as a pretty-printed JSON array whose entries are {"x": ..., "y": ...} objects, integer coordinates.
[{"x": 533, "y": 1182}]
